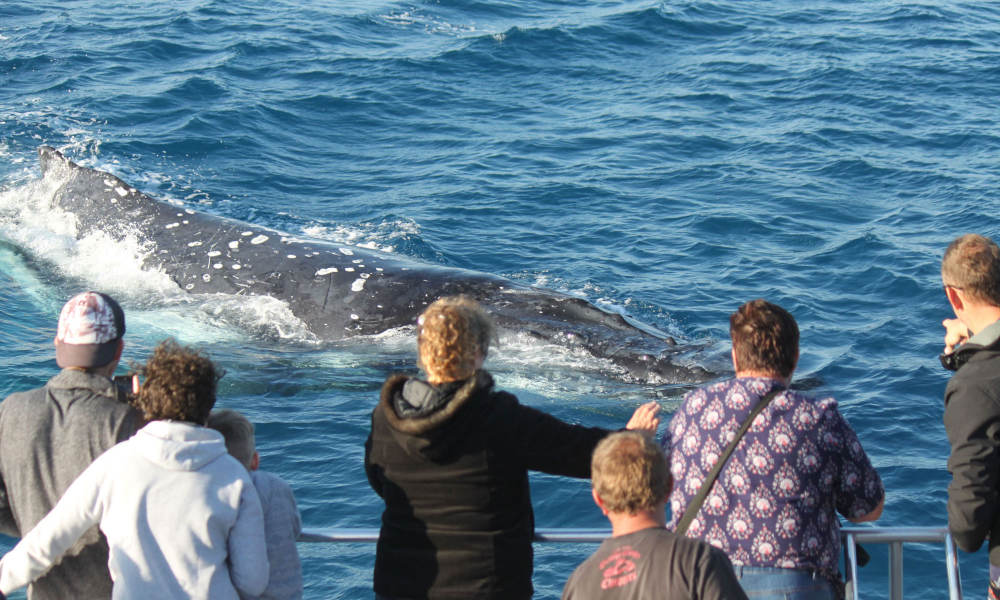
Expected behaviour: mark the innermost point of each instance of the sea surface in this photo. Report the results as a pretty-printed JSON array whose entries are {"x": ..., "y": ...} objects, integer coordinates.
[{"x": 667, "y": 160}]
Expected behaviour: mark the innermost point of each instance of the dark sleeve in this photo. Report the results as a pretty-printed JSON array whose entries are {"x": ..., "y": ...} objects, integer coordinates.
[
  {"x": 716, "y": 579},
  {"x": 372, "y": 470},
  {"x": 972, "y": 422},
  {"x": 544, "y": 443}
]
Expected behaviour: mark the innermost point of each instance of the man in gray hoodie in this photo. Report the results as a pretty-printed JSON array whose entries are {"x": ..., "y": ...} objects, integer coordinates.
[{"x": 49, "y": 435}]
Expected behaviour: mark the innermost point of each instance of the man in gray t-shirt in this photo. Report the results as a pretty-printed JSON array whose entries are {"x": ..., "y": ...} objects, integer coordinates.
[
  {"x": 49, "y": 435},
  {"x": 642, "y": 560}
]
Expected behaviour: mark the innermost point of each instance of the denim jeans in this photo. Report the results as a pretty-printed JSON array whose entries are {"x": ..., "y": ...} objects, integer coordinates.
[{"x": 772, "y": 583}]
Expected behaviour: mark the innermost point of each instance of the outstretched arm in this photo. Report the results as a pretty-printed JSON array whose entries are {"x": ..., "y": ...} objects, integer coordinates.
[{"x": 79, "y": 509}]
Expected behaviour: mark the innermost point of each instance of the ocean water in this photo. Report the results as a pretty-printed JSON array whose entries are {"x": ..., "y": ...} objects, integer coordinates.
[{"x": 668, "y": 160}]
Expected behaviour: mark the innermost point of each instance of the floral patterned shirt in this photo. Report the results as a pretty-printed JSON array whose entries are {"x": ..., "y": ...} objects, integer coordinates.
[{"x": 774, "y": 502}]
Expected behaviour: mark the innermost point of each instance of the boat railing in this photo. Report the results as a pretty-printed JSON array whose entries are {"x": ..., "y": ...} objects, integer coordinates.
[{"x": 894, "y": 537}]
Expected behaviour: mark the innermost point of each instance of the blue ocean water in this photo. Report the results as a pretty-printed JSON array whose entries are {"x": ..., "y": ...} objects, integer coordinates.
[{"x": 665, "y": 159}]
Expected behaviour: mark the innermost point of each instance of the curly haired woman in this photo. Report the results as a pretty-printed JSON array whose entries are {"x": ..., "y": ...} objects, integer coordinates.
[{"x": 450, "y": 457}]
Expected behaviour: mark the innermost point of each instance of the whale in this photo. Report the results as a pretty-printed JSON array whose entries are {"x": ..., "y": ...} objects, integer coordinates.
[{"x": 342, "y": 291}]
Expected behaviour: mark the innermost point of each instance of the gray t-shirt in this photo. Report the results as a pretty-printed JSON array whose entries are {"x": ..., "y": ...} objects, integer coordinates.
[
  {"x": 654, "y": 564},
  {"x": 282, "y": 526}
]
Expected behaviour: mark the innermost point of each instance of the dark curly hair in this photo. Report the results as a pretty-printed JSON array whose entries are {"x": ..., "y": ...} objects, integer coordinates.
[{"x": 180, "y": 384}]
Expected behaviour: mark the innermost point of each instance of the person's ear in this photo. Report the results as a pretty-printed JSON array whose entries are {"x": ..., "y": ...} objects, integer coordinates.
[
  {"x": 598, "y": 501},
  {"x": 255, "y": 461},
  {"x": 732, "y": 352},
  {"x": 954, "y": 298}
]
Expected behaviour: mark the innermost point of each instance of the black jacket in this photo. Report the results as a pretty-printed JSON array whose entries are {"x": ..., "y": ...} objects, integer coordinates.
[
  {"x": 458, "y": 521},
  {"x": 972, "y": 422}
]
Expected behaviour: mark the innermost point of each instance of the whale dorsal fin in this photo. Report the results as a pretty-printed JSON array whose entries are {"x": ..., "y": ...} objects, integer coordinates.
[{"x": 50, "y": 158}]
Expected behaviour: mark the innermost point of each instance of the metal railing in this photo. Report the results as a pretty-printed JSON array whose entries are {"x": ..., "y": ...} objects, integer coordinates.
[{"x": 895, "y": 537}]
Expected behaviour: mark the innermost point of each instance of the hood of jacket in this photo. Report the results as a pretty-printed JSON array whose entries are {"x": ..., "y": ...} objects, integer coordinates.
[
  {"x": 414, "y": 407},
  {"x": 179, "y": 445},
  {"x": 439, "y": 427}
]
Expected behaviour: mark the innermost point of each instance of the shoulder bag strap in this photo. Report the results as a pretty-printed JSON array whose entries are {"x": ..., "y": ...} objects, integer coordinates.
[{"x": 695, "y": 505}]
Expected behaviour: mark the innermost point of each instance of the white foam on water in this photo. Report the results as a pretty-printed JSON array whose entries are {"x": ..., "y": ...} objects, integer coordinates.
[
  {"x": 29, "y": 220},
  {"x": 49, "y": 233}
]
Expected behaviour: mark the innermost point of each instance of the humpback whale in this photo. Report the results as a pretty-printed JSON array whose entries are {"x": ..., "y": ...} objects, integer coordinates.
[{"x": 340, "y": 291}]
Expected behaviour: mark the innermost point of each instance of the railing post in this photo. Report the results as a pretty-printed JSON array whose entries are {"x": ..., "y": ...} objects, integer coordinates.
[
  {"x": 852, "y": 566},
  {"x": 896, "y": 571},
  {"x": 951, "y": 562}
]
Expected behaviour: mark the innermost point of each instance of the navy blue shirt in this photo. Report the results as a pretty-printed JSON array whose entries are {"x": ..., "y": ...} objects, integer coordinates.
[{"x": 775, "y": 502}]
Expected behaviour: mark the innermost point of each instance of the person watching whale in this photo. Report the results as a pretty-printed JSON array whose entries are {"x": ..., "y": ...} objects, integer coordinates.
[
  {"x": 773, "y": 508},
  {"x": 49, "y": 435},
  {"x": 181, "y": 516},
  {"x": 450, "y": 456},
  {"x": 970, "y": 273}
]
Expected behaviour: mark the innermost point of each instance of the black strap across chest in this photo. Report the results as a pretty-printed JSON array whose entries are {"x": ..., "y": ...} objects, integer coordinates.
[{"x": 695, "y": 505}]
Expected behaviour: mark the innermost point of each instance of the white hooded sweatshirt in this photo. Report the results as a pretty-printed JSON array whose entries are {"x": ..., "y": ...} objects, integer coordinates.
[{"x": 181, "y": 515}]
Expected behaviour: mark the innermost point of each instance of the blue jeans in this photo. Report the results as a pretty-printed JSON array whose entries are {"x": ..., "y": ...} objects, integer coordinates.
[{"x": 772, "y": 583}]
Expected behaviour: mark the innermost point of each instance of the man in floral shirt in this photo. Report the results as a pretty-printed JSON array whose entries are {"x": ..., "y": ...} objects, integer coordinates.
[{"x": 773, "y": 507}]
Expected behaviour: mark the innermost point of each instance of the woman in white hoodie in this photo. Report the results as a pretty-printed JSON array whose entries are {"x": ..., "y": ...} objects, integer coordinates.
[{"x": 181, "y": 515}]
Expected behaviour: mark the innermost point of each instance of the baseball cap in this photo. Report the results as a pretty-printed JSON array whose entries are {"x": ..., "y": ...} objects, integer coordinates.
[{"x": 90, "y": 326}]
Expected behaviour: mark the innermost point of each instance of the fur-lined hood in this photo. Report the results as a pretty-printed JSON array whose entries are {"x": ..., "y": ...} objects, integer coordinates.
[{"x": 481, "y": 382}]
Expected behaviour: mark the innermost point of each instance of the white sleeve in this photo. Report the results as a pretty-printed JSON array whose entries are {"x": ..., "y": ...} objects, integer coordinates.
[
  {"x": 79, "y": 509},
  {"x": 248, "y": 565}
]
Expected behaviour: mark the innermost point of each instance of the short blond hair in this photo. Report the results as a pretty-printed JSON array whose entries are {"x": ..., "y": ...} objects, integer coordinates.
[
  {"x": 451, "y": 334},
  {"x": 629, "y": 473},
  {"x": 237, "y": 430}
]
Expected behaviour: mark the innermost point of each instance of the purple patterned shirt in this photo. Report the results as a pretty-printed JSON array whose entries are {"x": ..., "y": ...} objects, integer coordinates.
[{"x": 774, "y": 501}]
